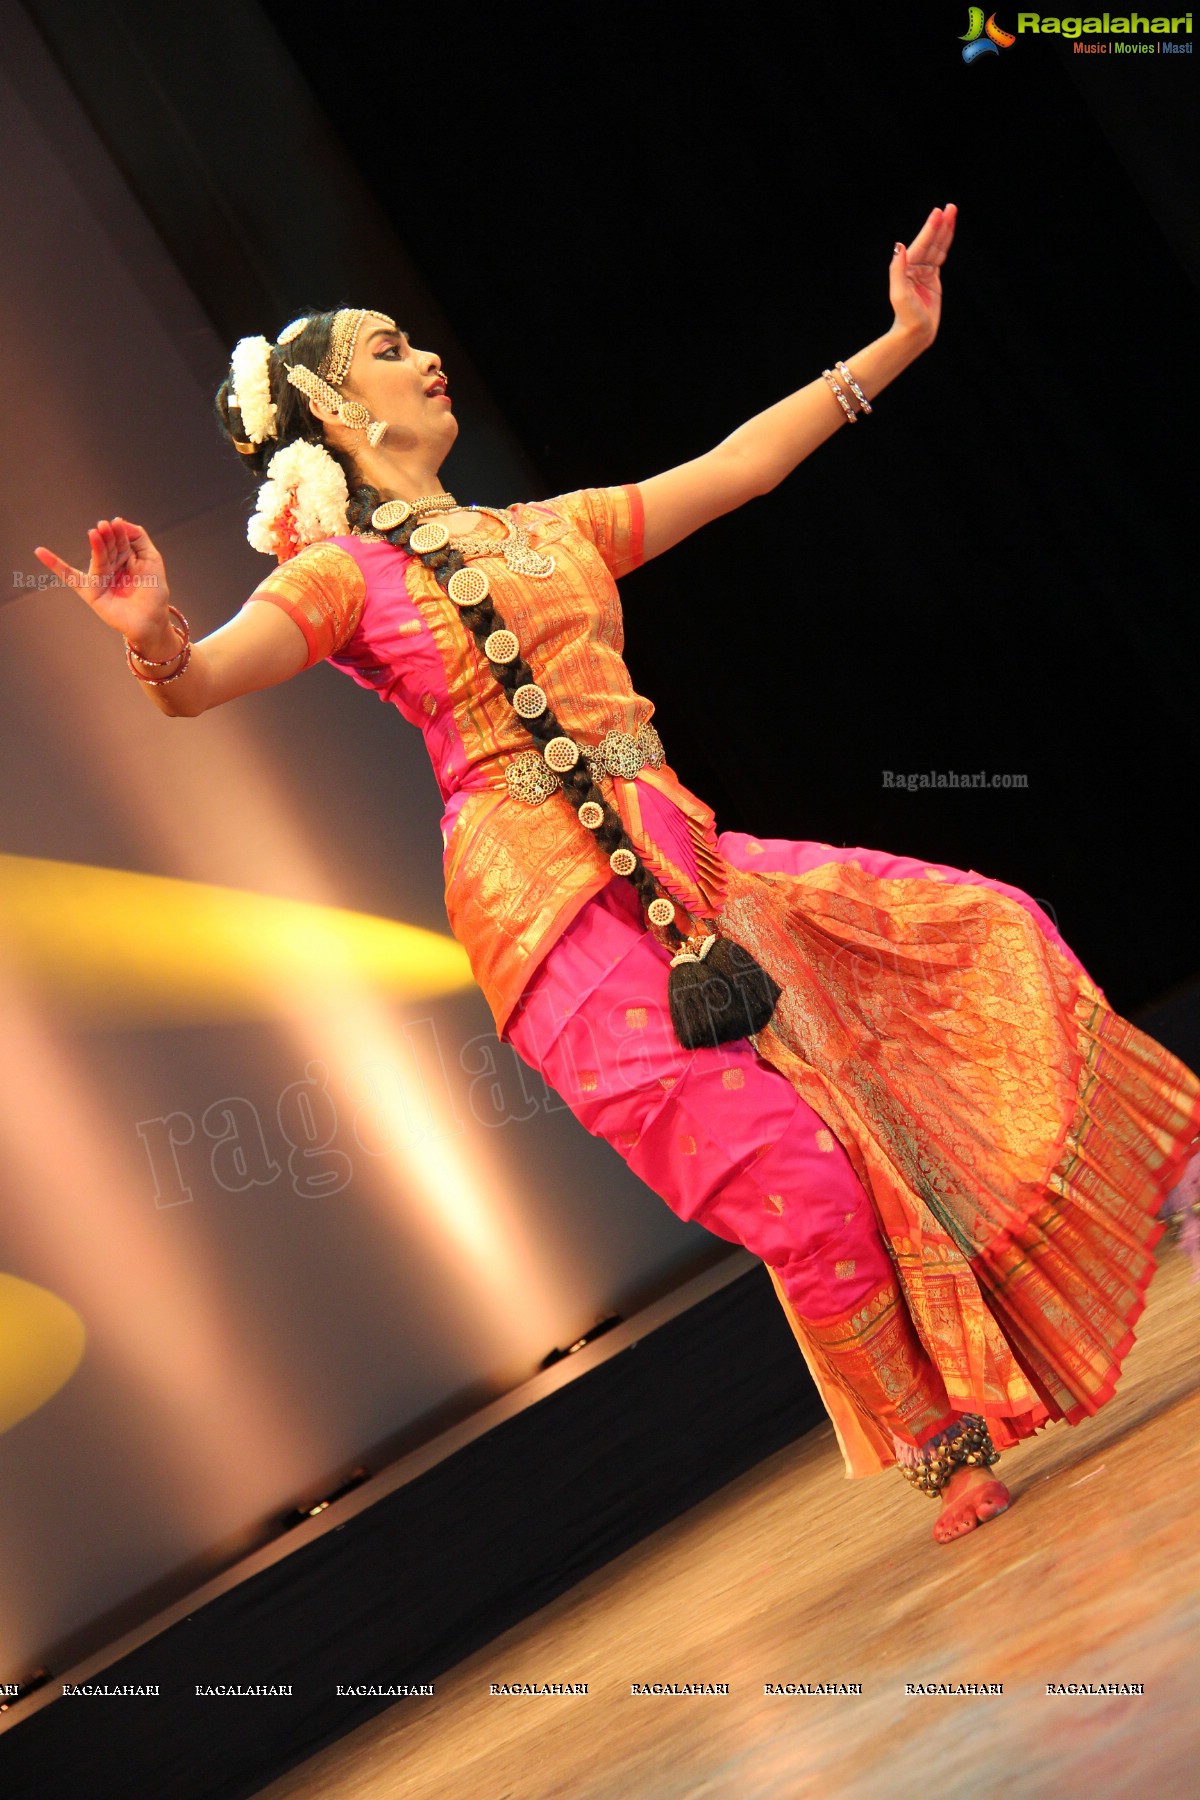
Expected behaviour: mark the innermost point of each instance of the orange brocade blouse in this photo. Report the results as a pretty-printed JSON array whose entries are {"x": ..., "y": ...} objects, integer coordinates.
[{"x": 516, "y": 874}]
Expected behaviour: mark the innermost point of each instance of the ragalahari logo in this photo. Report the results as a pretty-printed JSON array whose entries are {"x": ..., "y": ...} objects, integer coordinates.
[{"x": 982, "y": 39}]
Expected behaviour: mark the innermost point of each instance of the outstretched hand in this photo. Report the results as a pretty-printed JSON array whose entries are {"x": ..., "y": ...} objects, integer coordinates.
[
  {"x": 915, "y": 284},
  {"x": 125, "y": 583}
]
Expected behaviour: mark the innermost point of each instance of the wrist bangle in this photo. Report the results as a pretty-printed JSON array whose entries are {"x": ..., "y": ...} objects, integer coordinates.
[
  {"x": 839, "y": 396},
  {"x": 149, "y": 681},
  {"x": 162, "y": 663},
  {"x": 863, "y": 403}
]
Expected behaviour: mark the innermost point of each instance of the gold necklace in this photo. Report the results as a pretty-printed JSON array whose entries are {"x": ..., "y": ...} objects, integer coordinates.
[
  {"x": 433, "y": 503},
  {"x": 515, "y": 547},
  {"x": 518, "y": 553}
]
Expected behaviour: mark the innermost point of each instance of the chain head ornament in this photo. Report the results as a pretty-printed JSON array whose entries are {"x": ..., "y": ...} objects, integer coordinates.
[{"x": 343, "y": 336}]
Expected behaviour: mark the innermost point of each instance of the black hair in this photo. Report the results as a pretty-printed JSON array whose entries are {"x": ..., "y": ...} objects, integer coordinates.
[
  {"x": 728, "y": 995},
  {"x": 295, "y": 421}
]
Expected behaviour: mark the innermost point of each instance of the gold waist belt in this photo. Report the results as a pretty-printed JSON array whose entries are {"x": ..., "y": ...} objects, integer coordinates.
[{"x": 617, "y": 754}]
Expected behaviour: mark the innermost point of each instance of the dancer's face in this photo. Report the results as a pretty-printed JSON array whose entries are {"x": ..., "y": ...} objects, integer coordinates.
[{"x": 405, "y": 386}]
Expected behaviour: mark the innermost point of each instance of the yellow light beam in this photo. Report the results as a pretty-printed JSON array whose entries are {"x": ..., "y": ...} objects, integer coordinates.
[
  {"x": 124, "y": 949},
  {"x": 41, "y": 1343}
]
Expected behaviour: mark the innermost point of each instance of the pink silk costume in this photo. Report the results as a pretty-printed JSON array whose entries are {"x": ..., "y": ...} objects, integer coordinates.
[{"x": 942, "y": 1049}]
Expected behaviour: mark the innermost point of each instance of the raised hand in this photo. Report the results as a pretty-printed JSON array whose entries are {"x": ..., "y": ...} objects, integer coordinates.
[
  {"x": 915, "y": 285},
  {"x": 125, "y": 583}
]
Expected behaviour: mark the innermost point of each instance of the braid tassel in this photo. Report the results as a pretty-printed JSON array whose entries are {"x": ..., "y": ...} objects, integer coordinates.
[
  {"x": 726, "y": 996},
  {"x": 715, "y": 999}
]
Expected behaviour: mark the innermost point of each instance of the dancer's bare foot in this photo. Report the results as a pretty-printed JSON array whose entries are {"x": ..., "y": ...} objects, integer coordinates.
[{"x": 971, "y": 1497}]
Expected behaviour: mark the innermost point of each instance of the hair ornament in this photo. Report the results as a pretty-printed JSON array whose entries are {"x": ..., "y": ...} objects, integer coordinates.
[
  {"x": 313, "y": 388},
  {"x": 291, "y": 331},
  {"x": 303, "y": 501},
  {"x": 250, "y": 377},
  {"x": 351, "y": 413}
]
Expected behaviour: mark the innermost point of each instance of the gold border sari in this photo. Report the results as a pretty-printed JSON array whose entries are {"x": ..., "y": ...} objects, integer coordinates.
[{"x": 1014, "y": 1134}]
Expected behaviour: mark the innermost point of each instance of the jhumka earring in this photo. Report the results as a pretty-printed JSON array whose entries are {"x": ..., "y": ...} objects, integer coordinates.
[{"x": 351, "y": 413}]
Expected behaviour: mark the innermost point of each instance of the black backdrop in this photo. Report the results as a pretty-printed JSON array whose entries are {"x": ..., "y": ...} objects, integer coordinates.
[{"x": 649, "y": 221}]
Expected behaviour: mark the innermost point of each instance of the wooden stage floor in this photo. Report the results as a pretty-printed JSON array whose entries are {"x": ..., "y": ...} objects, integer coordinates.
[{"x": 794, "y": 1574}]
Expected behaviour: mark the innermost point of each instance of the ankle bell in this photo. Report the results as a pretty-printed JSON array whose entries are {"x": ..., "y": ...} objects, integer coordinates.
[{"x": 967, "y": 1443}]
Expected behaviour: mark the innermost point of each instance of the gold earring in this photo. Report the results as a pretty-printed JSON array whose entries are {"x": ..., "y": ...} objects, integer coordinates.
[
  {"x": 355, "y": 416},
  {"x": 350, "y": 413}
]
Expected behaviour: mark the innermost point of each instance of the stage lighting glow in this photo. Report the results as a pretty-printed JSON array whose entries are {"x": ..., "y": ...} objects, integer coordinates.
[
  {"x": 120, "y": 948},
  {"x": 41, "y": 1345}
]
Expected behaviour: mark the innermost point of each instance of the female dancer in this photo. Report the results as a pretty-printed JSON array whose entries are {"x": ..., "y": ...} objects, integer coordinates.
[{"x": 892, "y": 1082}]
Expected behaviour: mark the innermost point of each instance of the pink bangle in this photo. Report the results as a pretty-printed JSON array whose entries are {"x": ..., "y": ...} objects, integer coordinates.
[
  {"x": 149, "y": 681},
  {"x": 149, "y": 660}
]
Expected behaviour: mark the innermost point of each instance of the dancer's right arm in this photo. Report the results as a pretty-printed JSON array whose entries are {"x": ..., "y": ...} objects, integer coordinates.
[{"x": 126, "y": 587}]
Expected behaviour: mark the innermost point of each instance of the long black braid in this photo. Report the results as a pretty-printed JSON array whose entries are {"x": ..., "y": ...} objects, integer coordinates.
[
  {"x": 725, "y": 997},
  {"x": 483, "y": 619}
]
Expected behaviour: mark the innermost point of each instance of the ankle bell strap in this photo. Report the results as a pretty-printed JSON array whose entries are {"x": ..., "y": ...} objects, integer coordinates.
[{"x": 968, "y": 1441}]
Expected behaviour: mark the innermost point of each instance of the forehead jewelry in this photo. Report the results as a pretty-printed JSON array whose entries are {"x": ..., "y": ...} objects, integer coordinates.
[
  {"x": 343, "y": 337},
  {"x": 322, "y": 386}
]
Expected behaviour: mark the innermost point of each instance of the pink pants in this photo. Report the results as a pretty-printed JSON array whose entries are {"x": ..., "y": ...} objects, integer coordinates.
[{"x": 718, "y": 1133}]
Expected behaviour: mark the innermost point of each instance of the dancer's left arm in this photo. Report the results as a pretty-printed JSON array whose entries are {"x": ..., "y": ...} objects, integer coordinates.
[{"x": 756, "y": 457}]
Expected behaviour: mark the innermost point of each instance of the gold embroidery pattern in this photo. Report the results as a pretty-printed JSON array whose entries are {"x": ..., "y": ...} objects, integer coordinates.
[
  {"x": 1012, "y": 1132},
  {"x": 323, "y": 590},
  {"x": 824, "y": 1141},
  {"x": 872, "y": 1355},
  {"x": 703, "y": 895},
  {"x": 635, "y": 1018},
  {"x": 733, "y": 1078}
]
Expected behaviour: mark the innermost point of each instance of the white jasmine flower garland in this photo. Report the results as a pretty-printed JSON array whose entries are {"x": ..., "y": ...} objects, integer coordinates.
[
  {"x": 302, "y": 501},
  {"x": 249, "y": 373}
]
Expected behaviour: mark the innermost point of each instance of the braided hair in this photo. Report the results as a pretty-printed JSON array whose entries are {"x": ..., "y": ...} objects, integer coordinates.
[
  {"x": 724, "y": 997},
  {"x": 481, "y": 620}
]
